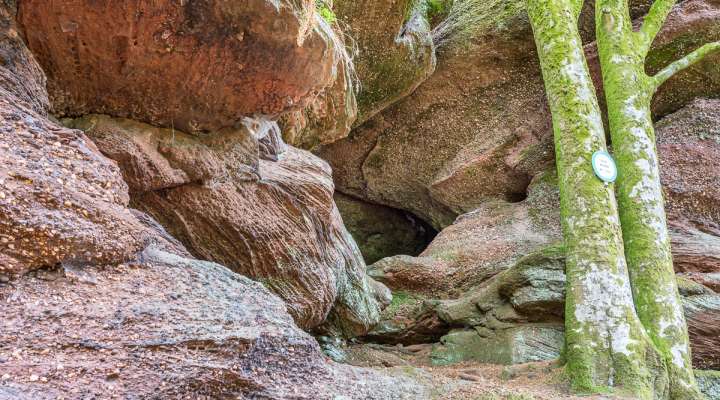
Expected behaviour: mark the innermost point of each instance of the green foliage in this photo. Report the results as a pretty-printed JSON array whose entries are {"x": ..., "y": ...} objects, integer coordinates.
[
  {"x": 436, "y": 8},
  {"x": 325, "y": 12},
  {"x": 402, "y": 302}
]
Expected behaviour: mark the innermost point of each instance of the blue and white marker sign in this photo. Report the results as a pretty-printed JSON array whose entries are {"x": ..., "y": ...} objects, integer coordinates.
[{"x": 604, "y": 166}]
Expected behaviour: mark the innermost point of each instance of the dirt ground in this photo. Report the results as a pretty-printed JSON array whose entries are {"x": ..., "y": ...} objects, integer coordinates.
[{"x": 468, "y": 381}]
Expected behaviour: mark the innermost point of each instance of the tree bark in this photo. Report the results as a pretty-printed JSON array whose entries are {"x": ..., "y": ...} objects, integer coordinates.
[
  {"x": 629, "y": 91},
  {"x": 606, "y": 346}
]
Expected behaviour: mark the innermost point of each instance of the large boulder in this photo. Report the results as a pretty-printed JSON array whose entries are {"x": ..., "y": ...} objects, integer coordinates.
[
  {"x": 195, "y": 66},
  {"x": 479, "y": 128},
  {"x": 61, "y": 201},
  {"x": 390, "y": 51},
  {"x": 459, "y": 139},
  {"x": 395, "y": 49},
  {"x": 270, "y": 219},
  {"x": 330, "y": 116},
  {"x": 103, "y": 303},
  {"x": 166, "y": 326},
  {"x": 518, "y": 310},
  {"x": 478, "y": 245}
]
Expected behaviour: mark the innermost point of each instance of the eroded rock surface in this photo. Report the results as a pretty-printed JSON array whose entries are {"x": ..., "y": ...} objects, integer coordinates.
[
  {"x": 491, "y": 239},
  {"x": 530, "y": 298},
  {"x": 395, "y": 50},
  {"x": 479, "y": 128},
  {"x": 195, "y": 66},
  {"x": 165, "y": 326},
  {"x": 61, "y": 201},
  {"x": 689, "y": 145},
  {"x": 274, "y": 221},
  {"x": 478, "y": 245}
]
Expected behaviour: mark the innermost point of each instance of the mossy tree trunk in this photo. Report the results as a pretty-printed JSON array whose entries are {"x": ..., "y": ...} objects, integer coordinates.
[
  {"x": 628, "y": 91},
  {"x": 606, "y": 345}
]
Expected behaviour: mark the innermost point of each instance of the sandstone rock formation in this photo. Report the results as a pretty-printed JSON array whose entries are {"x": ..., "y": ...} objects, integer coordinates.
[
  {"x": 218, "y": 60},
  {"x": 274, "y": 221},
  {"x": 491, "y": 239},
  {"x": 689, "y": 147},
  {"x": 395, "y": 49},
  {"x": 389, "y": 52},
  {"x": 329, "y": 117},
  {"x": 159, "y": 145},
  {"x": 233, "y": 193},
  {"x": 165, "y": 326},
  {"x": 98, "y": 301},
  {"x": 479, "y": 128},
  {"x": 689, "y": 144},
  {"x": 478, "y": 245},
  {"x": 61, "y": 201},
  {"x": 459, "y": 142},
  {"x": 518, "y": 311}
]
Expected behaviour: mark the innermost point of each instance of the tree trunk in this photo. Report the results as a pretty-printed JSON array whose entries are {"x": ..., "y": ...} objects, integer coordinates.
[
  {"x": 606, "y": 345},
  {"x": 628, "y": 91}
]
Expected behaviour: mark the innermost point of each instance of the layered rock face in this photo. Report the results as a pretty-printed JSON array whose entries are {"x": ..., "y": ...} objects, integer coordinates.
[
  {"x": 519, "y": 314},
  {"x": 235, "y": 194},
  {"x": 97, "y": 299},
  {"x": 478, "y": 245},
  {"x": 272, "y": 220},
  {"x": 217, "y": 61},
  {"x": 689, "y": 144}
]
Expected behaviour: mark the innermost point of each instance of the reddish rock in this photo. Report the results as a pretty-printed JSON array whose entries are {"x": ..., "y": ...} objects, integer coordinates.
[
  {"x": 478, "y": 245},
  {"x": 689, "y": 145},
  {"x": 166, "y": 327},
  {"x": 61, "y": 201},
  {"x": 274, "y": 221},
  {"x": 692, "y": 24},
  {"x": 424, "y": 275},
  {"x": 160, "y": 325},
  {"x": 703, "y": 319},
  {"x": 458, "y": 139},
  {"x": 195, "y": 66},
  {"x": 695, "y": 251},
  {"x": 330, "y": 116},
  {"x": 479, "y": 127}
]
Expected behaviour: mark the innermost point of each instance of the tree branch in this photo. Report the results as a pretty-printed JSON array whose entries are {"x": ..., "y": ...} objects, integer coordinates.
[
  {"x": 653, "y": 22},
  {"x": 679, "y": 65}
]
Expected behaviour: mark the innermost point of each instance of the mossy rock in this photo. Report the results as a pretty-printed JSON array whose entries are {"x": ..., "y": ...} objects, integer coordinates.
[
  {"x": 515, "y": 345},
  {"x": 395, "y": 49}
]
